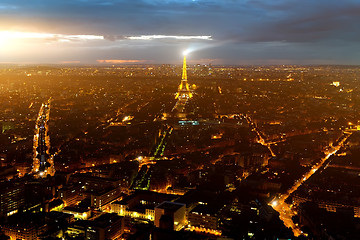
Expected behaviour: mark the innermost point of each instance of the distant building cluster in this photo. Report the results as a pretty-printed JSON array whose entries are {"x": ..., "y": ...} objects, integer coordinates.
[{"x": 234, "y": 152}]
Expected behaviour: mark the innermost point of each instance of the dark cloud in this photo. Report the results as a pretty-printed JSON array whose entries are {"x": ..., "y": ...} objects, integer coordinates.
[
  {"x": 306, "y": 27},
  {"x": 262, "y": 20},
  {"x": 114, "y": 37}
]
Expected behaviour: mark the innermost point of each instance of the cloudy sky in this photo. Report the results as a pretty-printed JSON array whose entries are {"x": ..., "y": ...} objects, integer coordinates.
[{"x": 157, "y": 31}]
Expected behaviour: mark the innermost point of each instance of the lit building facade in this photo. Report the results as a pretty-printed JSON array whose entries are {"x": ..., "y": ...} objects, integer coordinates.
[
  {"x": 12, "y": 197},
  {"x": 176, "y": 212}
]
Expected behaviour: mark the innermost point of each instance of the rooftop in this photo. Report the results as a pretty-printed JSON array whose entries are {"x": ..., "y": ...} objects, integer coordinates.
[{"x": 172, "y": 206}]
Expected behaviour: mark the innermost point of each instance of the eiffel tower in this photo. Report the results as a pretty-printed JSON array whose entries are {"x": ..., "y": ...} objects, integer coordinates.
[{"x": 184, "y": 92}]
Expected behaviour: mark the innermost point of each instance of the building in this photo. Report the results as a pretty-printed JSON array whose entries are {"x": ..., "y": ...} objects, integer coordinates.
[
  {"x": 140, "y": 205},
  {"x": 170, "y": 214},
  {"x": 8, "y": 172},
  {"x": 94, "y": 183},
  {"x": 12, "y": 198},
  {"x": 25, "y": 226},
  {"x": 28, "y": 232},
  {"x": 102, "y": 199},
  {"x": 203, "y": 210},
  {"x": 200, "y": 217},
  {"x": 79, "y": 213},
  {"x": 71, "y": 194},
  {"x": 107, "y": 226}
]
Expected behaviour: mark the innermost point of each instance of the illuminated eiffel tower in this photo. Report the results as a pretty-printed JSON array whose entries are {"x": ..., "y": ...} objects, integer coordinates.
[{"x": 184, "y": 92}]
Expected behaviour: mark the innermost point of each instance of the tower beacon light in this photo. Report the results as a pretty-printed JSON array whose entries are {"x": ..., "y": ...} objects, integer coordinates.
[{"x": 186, "y": 52}]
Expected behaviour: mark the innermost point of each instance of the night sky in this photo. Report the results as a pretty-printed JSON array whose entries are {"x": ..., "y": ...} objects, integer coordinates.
[{"x": 234, "y": 32}]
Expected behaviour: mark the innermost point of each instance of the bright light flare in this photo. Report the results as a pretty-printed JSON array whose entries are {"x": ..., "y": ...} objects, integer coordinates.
[
  {"x": 274, "y": 203},
  {"x": 5, "y": 39},
  {"x": 186, "y": 52}
]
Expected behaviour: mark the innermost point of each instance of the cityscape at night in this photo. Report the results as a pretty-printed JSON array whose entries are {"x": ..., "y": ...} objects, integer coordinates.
[{"x": 191, "y": 119}]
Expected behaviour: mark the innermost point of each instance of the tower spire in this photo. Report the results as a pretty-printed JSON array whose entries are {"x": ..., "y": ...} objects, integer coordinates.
[{"x": 184, "y": 74}]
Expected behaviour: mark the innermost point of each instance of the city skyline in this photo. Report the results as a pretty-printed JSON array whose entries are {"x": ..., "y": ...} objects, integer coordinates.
[
  {"x": 155, "y": 32},
  {"x": 237, "y": 152}
]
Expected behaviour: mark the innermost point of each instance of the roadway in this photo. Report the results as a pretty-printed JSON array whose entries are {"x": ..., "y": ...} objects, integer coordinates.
[
  {"x": 284, "y": 209},
  {"x": 142, "y": 180},
  {"x": 260, "y": 138},
  {"x": 42, "y": 160}
]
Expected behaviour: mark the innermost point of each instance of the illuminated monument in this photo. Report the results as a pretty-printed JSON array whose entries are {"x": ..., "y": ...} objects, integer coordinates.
[
  {"x": 43, "y": 162},
  {"x": 183, "y": 94},
  {"x": 184, "y": 90}
]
